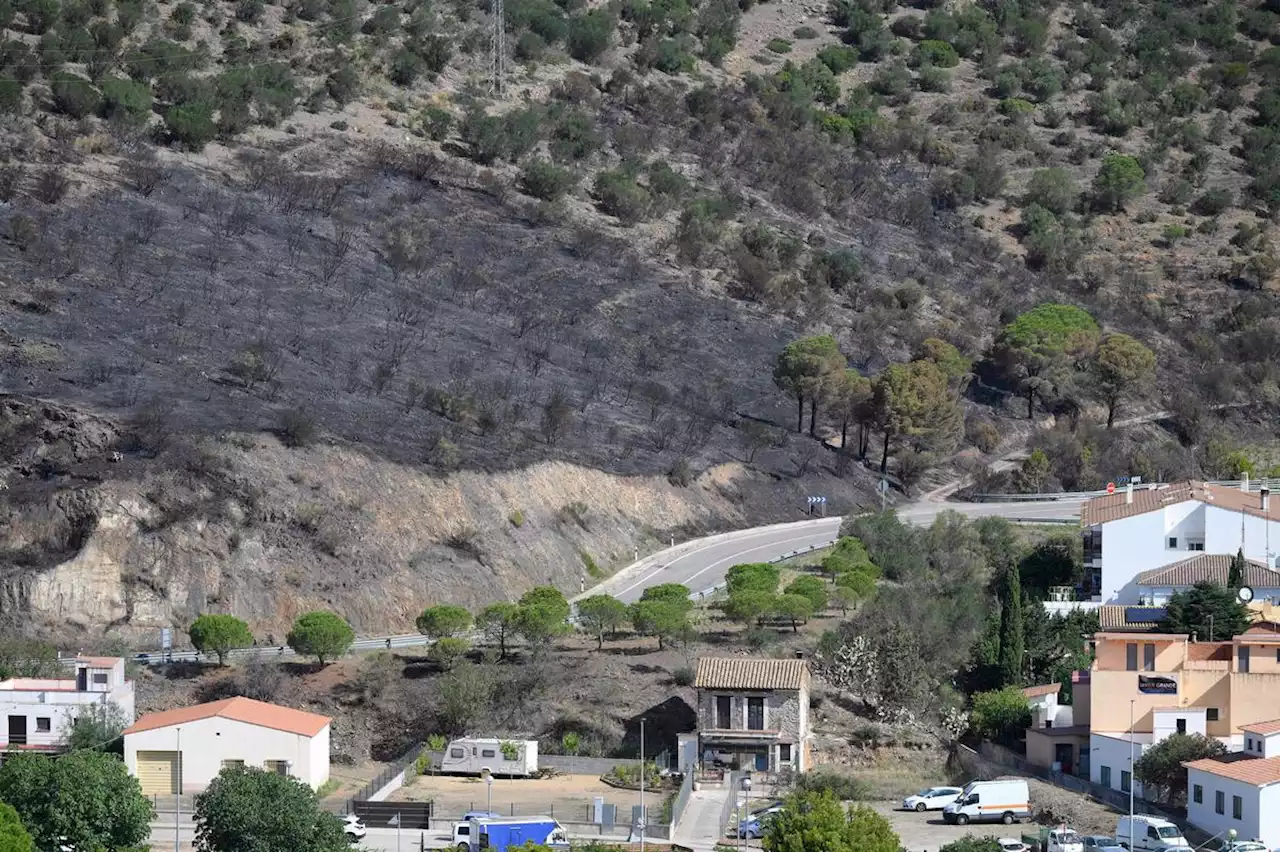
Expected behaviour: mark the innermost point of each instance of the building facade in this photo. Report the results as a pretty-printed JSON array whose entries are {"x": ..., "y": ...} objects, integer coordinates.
[
  {"x": 754, "y": 713},
  {"x": 39, "y": 712},
  {"x": 1240, "y": 792},
  {"x": 182, "y": 751}
]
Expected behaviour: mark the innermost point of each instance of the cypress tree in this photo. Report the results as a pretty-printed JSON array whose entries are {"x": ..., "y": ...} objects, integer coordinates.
[
  {"x": 1011, "y": 636},
  {"x": 1235, "y": 578}
]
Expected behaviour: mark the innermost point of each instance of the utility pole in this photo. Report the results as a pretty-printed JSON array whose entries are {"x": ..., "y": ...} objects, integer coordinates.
[
  {"x": 1132, "y": 701},
  {"x": 177, "y": 807},
  {"x": 498, "y": 47},
  {"x": 642, "y": 814}
]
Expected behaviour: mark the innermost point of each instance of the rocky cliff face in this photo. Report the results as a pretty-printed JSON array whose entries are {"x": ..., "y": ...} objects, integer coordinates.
[{"x": 127, "y": 543}]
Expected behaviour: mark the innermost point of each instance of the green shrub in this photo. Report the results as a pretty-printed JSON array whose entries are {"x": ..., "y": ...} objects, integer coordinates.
[
  {"x": 343, "y": 85},
  {"x": 778, "y": 45},
  {"x": 405, "y": 67},
  {"x": 618, "y": 194},
  {"x": 838, "y": 57},
  {"x": 10, "y": 95},
  {"x": 543, "y": 179},
  {"x": 437, "y": 123},
  {"x": 126, "y": 101},
  {"x": 934, "y": 79},
  {"x": 1213, "y": 202},
  {"x": 1119, "y": 180},
  {"x": 845, "y": 788},
  {"x": 530, "y": 46},
  {"x": 683, "y": 676},
  {"x": 1173, "y": 232},
  {"x": 1014, "y": 107},
  {"x": 191, "y": 125},
  {"x": 804, "y": 33},
  {"x": 940, "y": 54},
  {"x": 249, "y": 11},
  {"x": 183, "y": 14},
  {"x": 73, "y": 95},
  {"x": 516, "y": 518},
  {"x": 589, "y": 34}
]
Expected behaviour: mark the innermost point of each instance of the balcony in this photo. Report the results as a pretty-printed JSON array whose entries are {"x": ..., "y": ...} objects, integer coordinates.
[{"x": 738, "y": 735}]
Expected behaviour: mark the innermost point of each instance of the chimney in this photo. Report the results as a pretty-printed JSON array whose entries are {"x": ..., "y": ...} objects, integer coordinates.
[
  {"x": 1128, "y": 492},
  {"x": 1266, "y": 498},
  {"x": 1244, "y": 481}
]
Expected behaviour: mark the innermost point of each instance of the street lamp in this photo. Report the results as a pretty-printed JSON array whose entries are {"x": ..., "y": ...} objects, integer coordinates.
[
  {"x": 1132, "y": 702},
  {"x": 487, "y": 776},
  {"x": 746, "y": 788}
]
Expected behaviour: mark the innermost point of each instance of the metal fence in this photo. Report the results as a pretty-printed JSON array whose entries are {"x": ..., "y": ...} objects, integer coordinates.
[
  {"x": 681, "y": 801},
  {"x": 730, "y": 808}
]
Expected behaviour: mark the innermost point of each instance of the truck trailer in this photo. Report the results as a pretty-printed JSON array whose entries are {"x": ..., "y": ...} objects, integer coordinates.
[{"x": 498, "y": 834}]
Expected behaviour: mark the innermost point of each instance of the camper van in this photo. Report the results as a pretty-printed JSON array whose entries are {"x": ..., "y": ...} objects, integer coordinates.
[
  {"x": 1006, "y": 801},
  {"x": 471, "y": 755},
  {"x": 498, "y": 834}
]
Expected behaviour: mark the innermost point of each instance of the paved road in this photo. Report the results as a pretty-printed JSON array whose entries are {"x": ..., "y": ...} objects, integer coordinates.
[{"x": 701, "y": 564}]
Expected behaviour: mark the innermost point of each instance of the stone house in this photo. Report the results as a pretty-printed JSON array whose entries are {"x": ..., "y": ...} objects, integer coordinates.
[{"x": 754, "y": 713}]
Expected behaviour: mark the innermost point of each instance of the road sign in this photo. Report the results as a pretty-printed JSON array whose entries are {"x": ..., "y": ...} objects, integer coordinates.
[
  {"x": 814, "y": 501},
  {"x": 1111, "y": 488},
  {"x": 166, "y": 638},
  {"x": 883, "y": 487}
]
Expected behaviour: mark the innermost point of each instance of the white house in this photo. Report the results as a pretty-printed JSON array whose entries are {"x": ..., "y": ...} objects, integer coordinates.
[
  {"x": 181, "y": 751},
  {"x": 1139, "y": 530},
  {"x": 1236, "y": 791},
  {"x": 1112, "y": 756},
  {"x": 1155, "y": 587},
  {"x": 40, "y": 710},
  {"x": 1262, "y": 738}
]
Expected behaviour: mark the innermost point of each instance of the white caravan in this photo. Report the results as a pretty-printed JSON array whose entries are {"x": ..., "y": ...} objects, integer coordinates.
[{"x": 470, "y": 755}]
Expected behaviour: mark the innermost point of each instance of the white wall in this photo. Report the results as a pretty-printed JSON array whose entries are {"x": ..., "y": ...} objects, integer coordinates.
[
  {"x": 1222, "y": 534},
  {"x": 1112, "y": 752},
  {"x": 1133, "y": 545},
  {"x": 1166, "y": 722},
  {"x": 1260, "y": 819},
  {"x": 205, "y": 743},
  {"x": 59, "y": 705},
  {"x": 1262, "y": 746}
]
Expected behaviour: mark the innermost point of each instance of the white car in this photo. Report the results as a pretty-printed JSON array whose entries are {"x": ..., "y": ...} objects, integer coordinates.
[
  {"x": 933, "y": 799},
  {"x": 353, "y": 827},
  {"x": 1012, "y": 844},
  {"x": 1064, "y": 840}
]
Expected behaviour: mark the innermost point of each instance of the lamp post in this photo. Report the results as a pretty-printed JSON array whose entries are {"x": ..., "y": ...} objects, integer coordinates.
[
  {"x": 177, "y": 806},
  {"x": 1132, "y": 703},
  {"x": 746, "y": 788},
  {"x": 642, "y": 813},
  {"x": 488, "y": 783}
]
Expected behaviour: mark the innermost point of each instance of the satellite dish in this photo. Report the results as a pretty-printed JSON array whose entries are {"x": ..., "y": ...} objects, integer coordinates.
[{"x": 1245, "y": 594}]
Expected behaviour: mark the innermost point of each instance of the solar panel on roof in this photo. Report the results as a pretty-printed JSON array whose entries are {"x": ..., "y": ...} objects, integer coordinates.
[{"x": 1136, "y": 614}]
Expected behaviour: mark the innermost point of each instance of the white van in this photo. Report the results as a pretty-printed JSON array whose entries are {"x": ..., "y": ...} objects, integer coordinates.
[
  {"x": 1149, "y": 833},
  {"x": 1007, "y": 801}
]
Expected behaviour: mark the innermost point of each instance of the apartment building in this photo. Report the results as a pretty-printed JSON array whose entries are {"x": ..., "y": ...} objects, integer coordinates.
[
  {"x": 1145, "y": 686},
  {"x": 1135, "y": 531},
  {"x": 39, "y": 711}
]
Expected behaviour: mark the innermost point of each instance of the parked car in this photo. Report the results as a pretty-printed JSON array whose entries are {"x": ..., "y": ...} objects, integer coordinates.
[
  {"x": 1064, "y": 840},
  {"x": 1100, "y": 843},
  {"x": 932, "y": 799},
  {"x": 754, "y": 828},
  {"x": 1012, "y": 844},
  {"x": 1149, "y": 833},
  {"x": 1242, "y": 846},
  {"x": 353, "y": 827}
]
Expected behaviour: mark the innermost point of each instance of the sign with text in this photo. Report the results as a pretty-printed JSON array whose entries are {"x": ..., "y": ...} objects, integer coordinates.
[{"x": 1153, "y": 685}]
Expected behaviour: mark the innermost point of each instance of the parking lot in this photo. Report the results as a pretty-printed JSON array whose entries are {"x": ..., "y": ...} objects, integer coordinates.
[
  {"x": 926, "y": 832},
  {"x": 566, "y": 797}
]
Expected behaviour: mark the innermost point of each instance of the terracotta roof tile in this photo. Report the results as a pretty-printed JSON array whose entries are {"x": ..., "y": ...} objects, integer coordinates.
[
  {"x": 1214, "y": 567},
  {"x": 1251, "y": 770},
  {"x": 1264, "y": 728},
  {"x": 1042, "y": 690},
  {"x": 102, "y": 662},
  {"x": 240, "y": 710},
  {"x": 750, "y": 673},
  {"x": 1116, "y": 617},
  {"x": 1112, "y": 507}
]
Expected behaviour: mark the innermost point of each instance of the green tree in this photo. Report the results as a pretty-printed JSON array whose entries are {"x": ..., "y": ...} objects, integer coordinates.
[
  {"x": 755, "y": 576},
  {"x": 191, "y": 124},
  {"x": 1011, "y": 635},
  {"x": 1235, "y": 577},
  {"x": 915, "y": 405},
  {"x": 126, "y": 101},
  {"x": 248, "y": 808},
  {"x": 96, "y": 726},
  {"x": 793, "y": 608},
  {"x": 1207, "y": 610},
  {"x": 218, "y": 634},
  {"x": 1120, "y": 366},
  {"x": 815, "y": 821},
  {"x": 850, "y": 401},
  {"x": 589, "y": 34},
  {"x": 1001, "y": 715},
  {"x": 1120, "y": 179},
  {"x": 498, "y": 622},
  {"x": 676, "y": 593},
  {"x": 13, "y": 835},
  {"x": 1056, "y": 561},
  {"x": 748, "y": 606},
  {"x": 602, "y": 614},
  {"x": 804, "y": 369},
  {"x": 84, "y": 800},
  {"x": 1034, "y": 471},
  {"x": 447, "y": 650},
  {"x": 323, "y": 635},
  {"x": 949, "y": 359},
  {"x": 663, "y": 619},
  {"x": 21, "y": 657},
  {"x": 845, "y": 598},
  {"x": 544, "y": 614},
  {"x": 1040, "y": 346},
  {"x": 860, "y": 584},
  {"x": 444, "y": 621},
  {"x": 811, "y": 588},
  {"x": 1053, "y": 189},
  {"x": 1161, "y": 769}
]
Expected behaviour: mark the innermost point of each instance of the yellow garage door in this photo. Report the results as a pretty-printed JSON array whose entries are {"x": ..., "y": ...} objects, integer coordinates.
[{"x": 159, "y": 772}]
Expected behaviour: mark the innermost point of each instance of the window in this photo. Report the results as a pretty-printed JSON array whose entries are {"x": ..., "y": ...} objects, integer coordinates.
[
  {"x": 1278, "y": 656},
  {"x": 1131, "y": 657},
  {"x": 42, "y": 725},
  {"x": 1211, "y": 714},
  {"x": 1195, "y": 545},
  {"x": 1104, "y": 774},
  {"x": 1218, "y": 802},
  {"x": 755, "y": 714},
  {"x": 1197, "y": 794},
  {"x": 1181, "y": 725},
  {"x": 1152, "y": 833},
  {"x": 233, "y": 764},
  {"x": 784, "y": 753},
  {"x": 279, "y": 767},
  {"x": 488, "y": 752},
  {"x": 1237, "y": 807},
  {"x": 1248, "y": 743},
  {"x": 1173, "y": 542},
  {"x": 100, "y": 677},
  {"x": 457, "y": 753},
  {"x": 1242, "y": 658},
  {"x": 1124, "y": 780},
  {"x": 724, "y": 712},
  {"x": 1148, "y": 657}
]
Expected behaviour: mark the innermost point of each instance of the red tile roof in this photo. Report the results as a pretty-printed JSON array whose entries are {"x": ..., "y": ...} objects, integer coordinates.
[
  {"x": 1257, "y": 771},
  {"x": 240, "y": 710},
  {"x": 1264, "y": 728},
  {"x": 1214, "y": 567},
  {"x": 101, "y": 662},
  {"x": 1042, "y": 690},
  {"x": 1112, "y": 507},
  {"x": 750, "y": 673}
]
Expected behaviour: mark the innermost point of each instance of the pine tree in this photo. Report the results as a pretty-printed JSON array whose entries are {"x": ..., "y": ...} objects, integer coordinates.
[
  {"x": 1235, "y": 578},
  {"x": 1011, "y": 635}
]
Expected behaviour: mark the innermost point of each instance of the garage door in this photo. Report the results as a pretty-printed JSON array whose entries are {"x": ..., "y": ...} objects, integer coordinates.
[{"x": 159, "y": 772}]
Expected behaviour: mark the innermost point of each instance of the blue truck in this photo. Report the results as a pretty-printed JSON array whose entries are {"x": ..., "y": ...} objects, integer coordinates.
[{"x": 498, "y": 834}]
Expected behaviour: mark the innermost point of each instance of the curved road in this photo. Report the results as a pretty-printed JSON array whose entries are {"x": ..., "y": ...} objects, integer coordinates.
[{"x": 701, "y": 564}]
